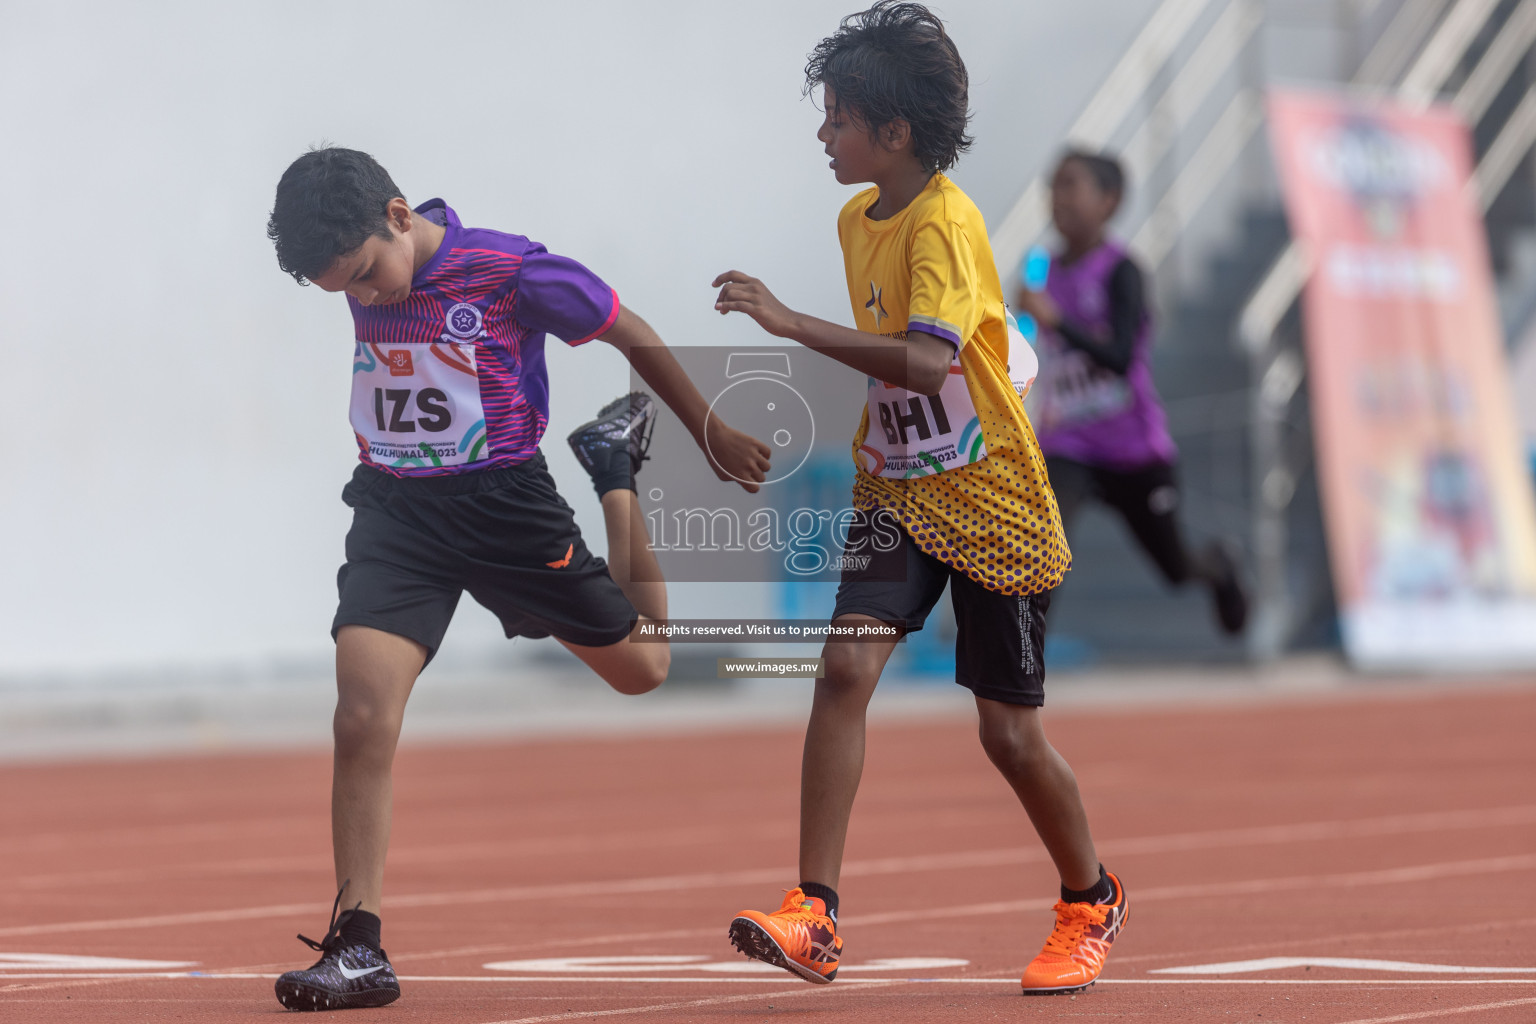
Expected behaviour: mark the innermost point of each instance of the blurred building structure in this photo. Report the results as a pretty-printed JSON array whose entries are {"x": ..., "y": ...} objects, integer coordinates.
[{"x": 1185, "y": 110}]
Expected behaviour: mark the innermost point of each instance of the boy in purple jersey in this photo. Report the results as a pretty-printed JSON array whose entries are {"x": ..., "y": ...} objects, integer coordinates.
[
  {"x": 450, "y": 398},
  {"x": 1101, "y": 424}
]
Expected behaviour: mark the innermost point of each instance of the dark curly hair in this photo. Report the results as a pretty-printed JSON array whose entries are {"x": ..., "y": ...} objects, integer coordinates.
[
  {"x": 895, "y": 62},
  {"x": 1103, "y": 168},
  {"x": 329, "y": 202}
]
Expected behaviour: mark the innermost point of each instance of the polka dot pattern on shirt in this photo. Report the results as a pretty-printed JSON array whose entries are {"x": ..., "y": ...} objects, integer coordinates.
[{"x": 995, "y": 520}]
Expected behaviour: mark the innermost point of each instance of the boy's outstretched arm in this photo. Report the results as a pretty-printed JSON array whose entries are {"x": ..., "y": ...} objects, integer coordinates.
[
  {"x": 920, "y": 362},
  {"x": 731, "y": 454}
]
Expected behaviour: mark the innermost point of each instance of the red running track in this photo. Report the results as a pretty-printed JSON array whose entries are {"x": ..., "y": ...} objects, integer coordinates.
[{"x": 1389, "y": 827}]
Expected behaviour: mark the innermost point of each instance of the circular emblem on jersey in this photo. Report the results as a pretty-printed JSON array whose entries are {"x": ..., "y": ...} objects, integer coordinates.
[{"x": 463, "y": 320}]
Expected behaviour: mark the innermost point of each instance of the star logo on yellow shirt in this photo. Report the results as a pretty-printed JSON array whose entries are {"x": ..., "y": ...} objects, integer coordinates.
[{"x": 875, "y": 306}]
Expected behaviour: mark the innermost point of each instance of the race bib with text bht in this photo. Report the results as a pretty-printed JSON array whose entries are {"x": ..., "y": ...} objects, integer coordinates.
[{"x": 914, "y": 435}]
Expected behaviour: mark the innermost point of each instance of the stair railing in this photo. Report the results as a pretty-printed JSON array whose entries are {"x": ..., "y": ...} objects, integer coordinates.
[{"x": 1132, "y": 77}]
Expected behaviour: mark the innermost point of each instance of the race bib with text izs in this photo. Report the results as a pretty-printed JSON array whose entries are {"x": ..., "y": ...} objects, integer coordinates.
[
  {"x": 418, "y": 406},
  {"x": 919, "y": 435}
]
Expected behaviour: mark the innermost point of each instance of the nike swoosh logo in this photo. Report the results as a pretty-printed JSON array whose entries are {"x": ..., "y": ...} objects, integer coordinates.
[
  {"x": 354, "y": 975},
  {"x": 636, "y": 422}
]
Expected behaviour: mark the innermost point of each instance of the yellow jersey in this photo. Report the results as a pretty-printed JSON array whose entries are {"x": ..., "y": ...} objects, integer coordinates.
[{"x": 961, "y": 470}]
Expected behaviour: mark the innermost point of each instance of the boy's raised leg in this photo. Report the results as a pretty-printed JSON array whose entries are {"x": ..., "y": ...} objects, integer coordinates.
[
  {"x": 611, "y": 449},
  {"x": 631, "y": 561},
  {"x": 631, "y": 666}
]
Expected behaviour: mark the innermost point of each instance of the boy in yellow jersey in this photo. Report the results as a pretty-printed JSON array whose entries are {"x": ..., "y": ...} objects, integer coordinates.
[{"x": 946, "y": 461}]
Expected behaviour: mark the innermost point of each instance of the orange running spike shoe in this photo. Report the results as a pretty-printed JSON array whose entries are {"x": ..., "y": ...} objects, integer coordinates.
[
  {"x": 1079, "y": 944},
  {"x": 798, "y": 937}
]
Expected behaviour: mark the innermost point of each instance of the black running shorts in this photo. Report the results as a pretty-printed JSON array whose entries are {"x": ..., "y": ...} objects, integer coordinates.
[
  {"x": 999, "y": 649},
  {"x": 504, "y": 535}
]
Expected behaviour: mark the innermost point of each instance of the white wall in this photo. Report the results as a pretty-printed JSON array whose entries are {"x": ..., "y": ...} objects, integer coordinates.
[{"x": 174, "y": 407}]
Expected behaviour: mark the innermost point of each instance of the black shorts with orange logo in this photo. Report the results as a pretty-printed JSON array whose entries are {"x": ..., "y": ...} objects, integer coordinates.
[{"x": 504, "y": 535}]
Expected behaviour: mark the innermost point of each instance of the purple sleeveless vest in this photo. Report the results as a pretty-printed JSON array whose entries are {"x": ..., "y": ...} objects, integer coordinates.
[{"x": 1088, "y": 413}]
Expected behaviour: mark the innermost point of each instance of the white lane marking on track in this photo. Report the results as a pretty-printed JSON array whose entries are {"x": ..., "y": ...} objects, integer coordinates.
[
  {"x": 121, "y": 975},
  {"x": 700, "y": 962},
  {"x": 883, "y": 866},
  {"x": 146, "y": 835},
  {"x": 1444, "y": 1012},
  {"x": 75, "y": 984},
  {"x": 10, "y": 962},
  {"x": 1349, "y": 828},
  {"x": 784, "y": 993},
  {"x": 617, "y": 979},
  {"x": 726, "y": 879},
  {"x": 598, "y": 964},
  {"x": 1493, "y": 817},
  {"x": 163, "y": 920},
  {"x": 1359, "y": 982},
  {"x": 455, "y": 852},
  {"x": 1351, "y": 940},
  {"x": 1010, "y": 980},
  {"x": 1277, "y": 963},
  {"x": 1388, "y": 876},
  {"x": 778, "y": 979},
  {"x": 1384, "y": 877},
  {"x": 624, "y": 979}
]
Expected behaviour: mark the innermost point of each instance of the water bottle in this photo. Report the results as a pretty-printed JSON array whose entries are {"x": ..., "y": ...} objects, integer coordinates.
[
  {"x": 1037, "y": 268},
  {"x": 1033, "y": 273}
]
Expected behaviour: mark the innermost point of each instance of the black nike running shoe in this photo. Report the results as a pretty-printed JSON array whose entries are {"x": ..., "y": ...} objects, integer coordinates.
[
  {"x": 611, "y": 447},
  {"x": 346, "y": 977}
]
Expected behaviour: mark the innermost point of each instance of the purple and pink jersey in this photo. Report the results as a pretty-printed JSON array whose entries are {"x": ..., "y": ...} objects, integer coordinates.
[
  {"x": 452, "y": 379},
  {"x": 1089, "y": 413}
]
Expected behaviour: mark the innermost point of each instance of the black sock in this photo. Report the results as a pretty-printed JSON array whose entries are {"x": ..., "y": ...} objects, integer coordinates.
[
  {"x": 826, "y": 894},
  {"x": 620, "y": 474},
  {"x": 1103, "y": 892},
  {"x": 358, "y": 927}
]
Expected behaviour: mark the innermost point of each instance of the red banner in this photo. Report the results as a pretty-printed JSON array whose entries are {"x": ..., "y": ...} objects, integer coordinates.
[{"x": 1427, "y": 501}]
